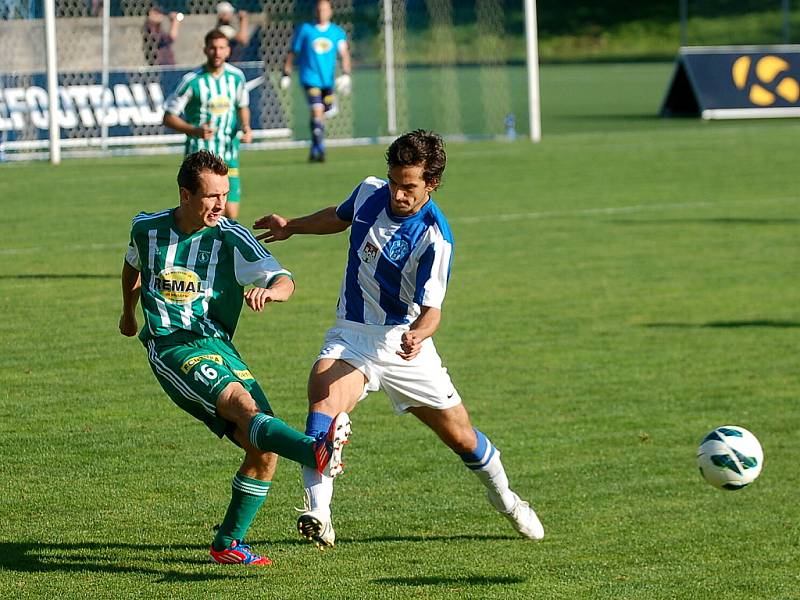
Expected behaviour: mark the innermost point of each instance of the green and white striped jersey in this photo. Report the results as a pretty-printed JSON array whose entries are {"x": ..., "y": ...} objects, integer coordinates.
[
  {"x": 194, "y": 282},
  {"x": 203, "y": 98}
]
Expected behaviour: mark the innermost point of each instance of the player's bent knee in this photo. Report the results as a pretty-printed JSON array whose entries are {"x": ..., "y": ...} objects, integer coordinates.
[
  {"x": 233, "y": 393},
  {"x": 235, "y": 404}
]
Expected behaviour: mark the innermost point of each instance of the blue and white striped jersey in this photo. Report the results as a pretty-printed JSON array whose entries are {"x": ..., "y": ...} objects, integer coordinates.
[{"x": 395, "y": 265}]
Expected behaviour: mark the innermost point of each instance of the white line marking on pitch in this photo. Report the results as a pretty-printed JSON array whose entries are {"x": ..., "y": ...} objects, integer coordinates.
[
  {"x": 611, "y": 210},
  {"x": 76, "y": 247},
  {"x": 581, "y": 212}
]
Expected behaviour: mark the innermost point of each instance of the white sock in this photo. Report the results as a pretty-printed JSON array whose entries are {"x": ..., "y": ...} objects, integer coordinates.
[
  {"x": 493, "y": 476},
  {"x": 319, "y": 491}
]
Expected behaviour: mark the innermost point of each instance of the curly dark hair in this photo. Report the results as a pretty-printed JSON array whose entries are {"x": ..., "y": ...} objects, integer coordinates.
[
  {"x": 196, "y": 163},
  {"x": 419, "y": 148}
]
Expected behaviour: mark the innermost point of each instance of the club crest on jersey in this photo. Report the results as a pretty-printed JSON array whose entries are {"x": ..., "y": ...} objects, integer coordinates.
[
  {"x": 203, "y": 257},
  {"x": 397, "y": 250},
  {"x": 219, "y": 105},
  {"x": 369, "y": 252},
  {"x": 322, "y": 45},
  {"x": 178, "y": 285}
]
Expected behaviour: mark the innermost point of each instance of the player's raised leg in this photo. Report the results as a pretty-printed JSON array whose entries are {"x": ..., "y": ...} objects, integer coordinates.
[
  {"x": 271, "y": 434},
  {"x": 454, "y": 428}
]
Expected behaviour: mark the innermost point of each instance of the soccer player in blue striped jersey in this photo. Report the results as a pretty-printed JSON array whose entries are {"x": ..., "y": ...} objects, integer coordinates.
[
  {"x": 394, "y": 284},
  {"x": 189, "y": 266},
  {"x": 215, "y": 105}
]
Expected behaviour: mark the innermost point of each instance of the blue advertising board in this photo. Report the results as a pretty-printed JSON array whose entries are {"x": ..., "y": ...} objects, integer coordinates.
[
  {"x": 734, "y": 82},
  {"x": 131, "y": 104}
]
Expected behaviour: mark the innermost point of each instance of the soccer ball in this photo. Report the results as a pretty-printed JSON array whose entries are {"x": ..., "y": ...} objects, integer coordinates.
[{"x": 730, "y": 457}]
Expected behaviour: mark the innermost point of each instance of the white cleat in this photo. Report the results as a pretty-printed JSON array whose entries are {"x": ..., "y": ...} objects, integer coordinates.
[
  {"x": 523, "y": 518},
  {"x": 317, "y": 529}
]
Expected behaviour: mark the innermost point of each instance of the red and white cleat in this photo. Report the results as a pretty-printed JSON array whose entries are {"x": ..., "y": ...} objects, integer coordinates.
[{"x": 329, "y": 449}]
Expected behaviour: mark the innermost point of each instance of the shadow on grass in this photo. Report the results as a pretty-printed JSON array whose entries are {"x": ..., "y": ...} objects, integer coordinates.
[
  {"x": 44, "y": 276},
  {"x": 449, "y": 581},
  {"x": 430, "y": 538},
  {"x": 33, "y": 557},
  {"x": 708, "y": 221},
  {"x": 726, "y": 324},
  {"x": 421, "y": 539},
  {"x": 641, "y": 117}
]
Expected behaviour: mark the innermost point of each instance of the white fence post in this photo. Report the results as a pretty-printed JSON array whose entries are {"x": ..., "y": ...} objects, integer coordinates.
[
  {"x": 532, "y": 47},
  {"x": 52, "y": 80}
]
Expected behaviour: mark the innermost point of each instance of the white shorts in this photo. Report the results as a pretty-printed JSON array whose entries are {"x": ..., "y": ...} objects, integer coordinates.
[{"x": 372, "y": 349}]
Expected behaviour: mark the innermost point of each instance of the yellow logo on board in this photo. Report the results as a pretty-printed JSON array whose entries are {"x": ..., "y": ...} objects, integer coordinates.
[
  {"x": 178, "y": 285},
  {"x": 219, "y": 105},
  {"x": 768, "y": 72}
]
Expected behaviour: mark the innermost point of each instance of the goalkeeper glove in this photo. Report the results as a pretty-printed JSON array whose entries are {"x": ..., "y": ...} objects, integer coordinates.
[{"x": 344, "y": 85}]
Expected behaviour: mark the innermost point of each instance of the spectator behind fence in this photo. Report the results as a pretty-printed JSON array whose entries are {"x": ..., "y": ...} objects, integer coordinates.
[
  {"x": 238, "y": 38},
  {"x": 157, "y": 43},
  {"x": 21, "y": 9}
]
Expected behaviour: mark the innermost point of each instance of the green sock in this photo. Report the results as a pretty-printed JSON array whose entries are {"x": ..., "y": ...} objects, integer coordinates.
[
  {"x": 270, "y": 434},
  {"x": 247, "y": 496}
]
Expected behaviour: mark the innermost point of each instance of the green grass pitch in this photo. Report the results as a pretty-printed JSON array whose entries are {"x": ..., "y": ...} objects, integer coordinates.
[{"x": 618, "y": 290}]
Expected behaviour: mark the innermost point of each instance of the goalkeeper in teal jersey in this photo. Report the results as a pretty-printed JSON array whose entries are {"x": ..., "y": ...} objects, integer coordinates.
[
  {"x": 215, "y": 103},
  {"x": 316, "y": 47},
  {"x": 189, "y": 266}
]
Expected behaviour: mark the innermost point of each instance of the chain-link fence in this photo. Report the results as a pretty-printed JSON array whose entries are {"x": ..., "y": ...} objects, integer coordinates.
[{"x": 449, "y": 65}]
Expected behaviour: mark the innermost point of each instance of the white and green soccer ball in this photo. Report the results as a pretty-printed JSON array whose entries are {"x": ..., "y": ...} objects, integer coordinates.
[{"x": 730, "y": 457}]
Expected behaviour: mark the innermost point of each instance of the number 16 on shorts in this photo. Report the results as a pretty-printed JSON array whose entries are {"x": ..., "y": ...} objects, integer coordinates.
[{"x": 206, "y": 374}]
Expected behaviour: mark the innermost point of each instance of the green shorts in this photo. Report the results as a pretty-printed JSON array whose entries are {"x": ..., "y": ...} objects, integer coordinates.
[
  {"x": 235, "y": 194},
  {"x": 229, "y": 148},
  {"x": 194, "y": 371}
]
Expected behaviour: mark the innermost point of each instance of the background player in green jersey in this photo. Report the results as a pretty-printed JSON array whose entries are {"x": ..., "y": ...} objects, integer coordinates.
[
  {"x": 215, "y": 104},
  {"x": 189, "y": 265}
]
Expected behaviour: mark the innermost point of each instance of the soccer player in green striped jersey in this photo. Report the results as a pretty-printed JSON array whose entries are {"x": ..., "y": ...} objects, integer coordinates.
[
  {"x": 189, "y": 266},
  {"x": 214, "y": 102}
]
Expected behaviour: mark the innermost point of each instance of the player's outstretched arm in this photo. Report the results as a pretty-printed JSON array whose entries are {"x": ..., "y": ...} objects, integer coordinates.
[
  {"x": 279, "y": 228},
  {"x": 131, "y": 282},
  {"x": 174, "y": 24},
  {"x": 344, "y": 84},
  {"x": 279, "y": 291},
  {"x": 243, "y": 35},
  {"x": 243, "y": 113},
  {"x": 205, "y": 131},
  {"x": 286, "y": 79}
]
